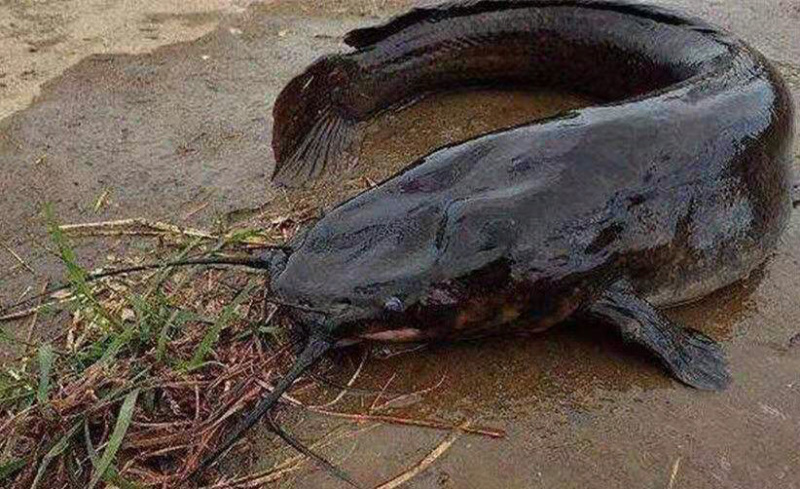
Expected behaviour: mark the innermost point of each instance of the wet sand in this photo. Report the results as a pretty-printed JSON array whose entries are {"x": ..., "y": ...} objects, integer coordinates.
[{"x": 181, "y": 133}]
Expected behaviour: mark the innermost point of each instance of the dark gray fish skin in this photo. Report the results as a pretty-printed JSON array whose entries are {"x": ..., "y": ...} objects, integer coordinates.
[
  {"x": 684, "y": 191},
  {"x": 676, "y": 187},
  {"x": 680, "y": 185},
  {"x": 610, "y": 50}
]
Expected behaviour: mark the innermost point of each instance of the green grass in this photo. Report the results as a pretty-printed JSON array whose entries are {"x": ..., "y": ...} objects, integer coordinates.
[
  {"x": 75, "y": 398},
  {"x": 212, "y": 336}
]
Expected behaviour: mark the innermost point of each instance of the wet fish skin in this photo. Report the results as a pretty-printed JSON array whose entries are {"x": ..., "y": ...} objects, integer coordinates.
[
  {"x": 675, "y": 187},
  {"x": 678, "y": 185}
]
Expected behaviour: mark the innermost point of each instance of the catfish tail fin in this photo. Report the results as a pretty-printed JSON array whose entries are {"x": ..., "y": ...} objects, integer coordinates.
[{"x": 314, "y": 131}]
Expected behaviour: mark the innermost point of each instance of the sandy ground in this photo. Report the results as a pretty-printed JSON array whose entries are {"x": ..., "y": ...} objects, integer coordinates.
[
  {"x": 40, "y": 39},
  {"x": 164, "y": 107}
]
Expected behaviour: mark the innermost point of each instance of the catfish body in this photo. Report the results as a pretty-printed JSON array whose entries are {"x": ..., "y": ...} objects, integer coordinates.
[
  {"x": 675, "y": 186},
  {"x": 681, "y": 209},
  {"x": 681, "y": 186}
]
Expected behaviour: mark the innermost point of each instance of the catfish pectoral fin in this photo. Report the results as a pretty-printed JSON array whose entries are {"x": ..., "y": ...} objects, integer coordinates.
[{"x": 689, "y": 355}]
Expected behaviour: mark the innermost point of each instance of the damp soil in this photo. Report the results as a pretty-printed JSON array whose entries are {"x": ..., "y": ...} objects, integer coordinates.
[{"x": 181, "y": 133}]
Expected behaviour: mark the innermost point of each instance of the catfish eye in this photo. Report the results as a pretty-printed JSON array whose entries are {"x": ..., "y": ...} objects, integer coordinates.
[{"x": 393, "y": 304}]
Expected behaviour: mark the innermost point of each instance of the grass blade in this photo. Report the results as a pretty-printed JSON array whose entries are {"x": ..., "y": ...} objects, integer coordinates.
[
  {"x": 46, "y": 357},
  {"x": 162, "y": 276},
  {"x": 116, "y": 345},
  {"x": 120, "y": 428},
  {"x": 211, "y": 337},
  {"x": 54, "y": 452},
  {"x": 178, "y": 318},
  {"x": 111, "y": 474},
  {"x": 76, "y": 275},
  {"x": 11, "y": 467}
]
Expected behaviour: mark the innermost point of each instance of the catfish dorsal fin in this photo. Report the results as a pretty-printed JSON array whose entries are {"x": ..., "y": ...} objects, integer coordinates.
[{"x": 365, "y": 37}]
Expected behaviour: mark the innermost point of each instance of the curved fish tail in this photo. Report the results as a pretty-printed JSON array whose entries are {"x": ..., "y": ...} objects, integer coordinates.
[{"x": 313, "y": 131}]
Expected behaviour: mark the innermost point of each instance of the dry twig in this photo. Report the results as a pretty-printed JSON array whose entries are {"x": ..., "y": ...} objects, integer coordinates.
[{"x": 427, "y": 461}]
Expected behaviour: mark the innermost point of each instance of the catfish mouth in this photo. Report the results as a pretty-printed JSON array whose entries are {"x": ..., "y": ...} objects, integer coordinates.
[
  {"x": 399, "y": 335},
  {"x": 402, "y": 335},
  {"x": 473, "y": 318},
  {"x": 276, "y": 259},
  {"x": 417, "y": 335}
]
